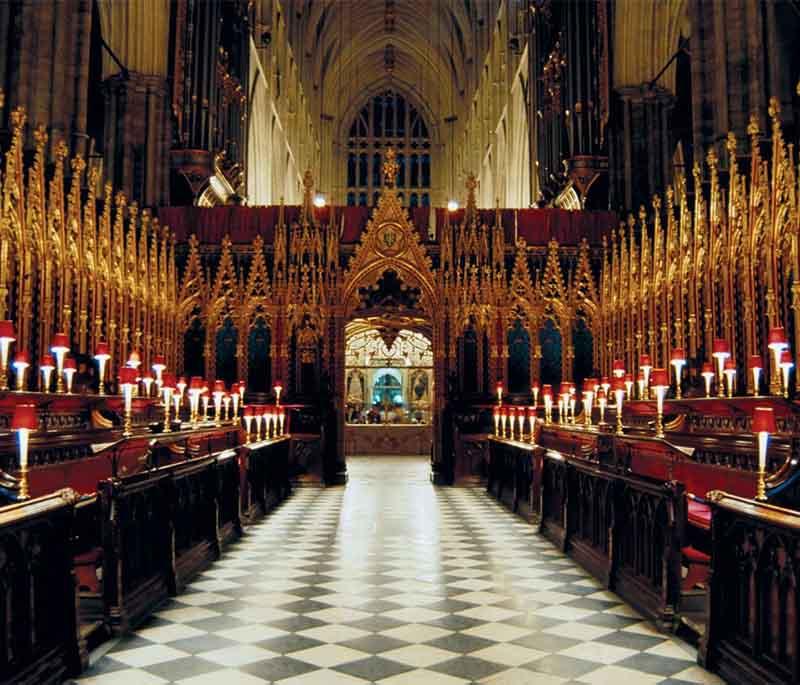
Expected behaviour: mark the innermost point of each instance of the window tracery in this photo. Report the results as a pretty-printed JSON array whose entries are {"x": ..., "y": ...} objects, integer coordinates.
[{"x": 388, "y": 120}]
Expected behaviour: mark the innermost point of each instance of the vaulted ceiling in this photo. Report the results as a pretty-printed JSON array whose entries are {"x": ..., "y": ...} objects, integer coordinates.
[{"x": 428, "y": 49}]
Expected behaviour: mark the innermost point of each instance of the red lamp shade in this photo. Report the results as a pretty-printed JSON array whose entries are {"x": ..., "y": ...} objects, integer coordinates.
[
  {"x": 205, "y": 394},
  {"x": 618, "y": 384},
  {"x": 563, "y": 389},
  {"x": 720, "y": 347},
  {"x": 764, "y": 420},
  {"x": 22, "y": 358},
  {"x": 47, "y": 362},
  {"x": 571, "y": 388},
  {"x": 618, "y": 365},
  {"x": 589, "y": 384},
  {"x": 777, "y": 337},
  {"x": 640, "y": 377},
  {"x": 7, "y": 331},
  {"x": 196, "y": 384},
  {"x": 219, "y": 386},
  {"x": 628, "y": 378},
  {"x": 786, "y": 358},
  {"x": 59, "y": 343},
  {"x": 512, "y": 411},
  {"x": 181, "y": 381},
  {"x": 101, "y": 351},
  {"x": 24, "y": 418},
  {"x": 159, "y": 361},
  {"x": 547, "y": 390},
  {"x": 659, "y": 378},
  {"x": 755, "y": 362},
  {"x": 127, "y": 376},
  {"x": 601, "y": 395},
  {"x": 644, "y": 360},
  {"x": 535, "y": 386},
  {"x": 70, "y": 364},
  {"x": 679, "y": 355},
  {"x": 168, "y": 381},
  {"x": 248, "y": 411},
  {"x": 147, "y": 376},
  {"x": 730, "y": 365},
  {"x": 235, "y": 389},
  {"x": 708, "y": 367}
]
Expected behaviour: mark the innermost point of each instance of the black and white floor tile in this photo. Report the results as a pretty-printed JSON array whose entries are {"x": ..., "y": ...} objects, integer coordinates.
[{"x": 392, "y": 581}]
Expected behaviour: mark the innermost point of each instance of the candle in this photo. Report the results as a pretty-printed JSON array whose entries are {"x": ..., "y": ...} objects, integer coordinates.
[
  {"x": 219, "y": 392},
  {"x": 755, "y": 364},
  {"x": 708, "y": 376},
  {"x": 660, "y": 385},
  {"x": 23, "y": 422},
  {"x": 46, "y": 366},
  {"x": 7, "y": 336},
  {"x": 763, "y": 426},
  {"x": 59, "y": 346},
  {"x": 70, "y": 367},
  {"x": 102, "y": 355},
  {"x": 677, "y": 362},
  {"x": 20, "y": 364}
]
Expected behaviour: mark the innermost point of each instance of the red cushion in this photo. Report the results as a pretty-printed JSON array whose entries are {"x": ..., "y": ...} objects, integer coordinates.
[
  {"x": 699, "y": 514},
  {"x": 695, "y": 556},
  {"x": 86, "y": 566}
]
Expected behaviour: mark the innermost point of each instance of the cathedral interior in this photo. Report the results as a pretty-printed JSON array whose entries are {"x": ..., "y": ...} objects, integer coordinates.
[{"x": 413, "y": 342}]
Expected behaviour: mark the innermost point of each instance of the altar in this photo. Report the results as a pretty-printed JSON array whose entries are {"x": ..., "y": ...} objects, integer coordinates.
[{"x": 387, "y": 439}]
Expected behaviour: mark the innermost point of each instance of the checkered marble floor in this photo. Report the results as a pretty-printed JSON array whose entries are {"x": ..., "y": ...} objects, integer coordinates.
[{"x": 393, "y": 581}]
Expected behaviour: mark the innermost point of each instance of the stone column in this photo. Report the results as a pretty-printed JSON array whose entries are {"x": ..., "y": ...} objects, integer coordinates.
[
  {"x": 137, "y": 139},
  {"x": 644, "y": 165}
]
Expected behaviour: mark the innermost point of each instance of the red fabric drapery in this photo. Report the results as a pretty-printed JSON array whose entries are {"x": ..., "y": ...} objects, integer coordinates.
[{"x": 243, "y": 224}]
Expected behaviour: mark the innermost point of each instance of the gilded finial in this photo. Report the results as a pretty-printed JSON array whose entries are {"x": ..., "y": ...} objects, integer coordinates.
[
  {"x": 77, "y": 164},
  {"x": 712, "y": 159},
  {"x": 18, "y": 119},
  {"x": 60, "y": 151},
  {"x": 39, "y": 135},
  {"x": 774, "y": 107},
  {"x": 752, "y": 127},
  {"x": 308, "y": 182},
  {"x": 390, "y": 168}
]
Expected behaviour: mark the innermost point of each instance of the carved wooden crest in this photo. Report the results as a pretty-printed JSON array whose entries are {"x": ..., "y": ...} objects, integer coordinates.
[{"x": 390, "y": 242}]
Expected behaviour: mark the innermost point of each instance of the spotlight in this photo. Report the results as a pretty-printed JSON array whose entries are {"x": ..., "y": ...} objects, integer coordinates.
[
  {"x": 452, "y": 205},
  {"x": 319, "y": 200}
]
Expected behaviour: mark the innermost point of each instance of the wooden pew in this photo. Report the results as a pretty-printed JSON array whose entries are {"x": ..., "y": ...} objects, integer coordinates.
[
  {"x": 265, "y": 475},
  {"x": 39, "y": 640},
  {"x": 513, "y": 475},
  {"x": 624, "y": 529},
  {"x": 752, "y": 632}
]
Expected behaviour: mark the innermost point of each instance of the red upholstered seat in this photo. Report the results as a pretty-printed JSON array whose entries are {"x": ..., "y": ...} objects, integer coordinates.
[
  {"x": 692, "y": 555},
  {"x": 697, "y": 566},
  {"x": 699, "y": 513},
  {"x": 86, "y": 566}
]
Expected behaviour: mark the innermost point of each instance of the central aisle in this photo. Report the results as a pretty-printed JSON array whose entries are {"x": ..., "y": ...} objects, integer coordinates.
[{"x": 390, "y": 580}]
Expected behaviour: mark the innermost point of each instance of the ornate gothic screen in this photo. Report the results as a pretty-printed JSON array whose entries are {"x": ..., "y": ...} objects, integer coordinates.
[{"x": 388, "y": 120}]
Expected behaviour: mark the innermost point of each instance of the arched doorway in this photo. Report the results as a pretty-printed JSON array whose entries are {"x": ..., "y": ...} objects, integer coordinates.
[
  {"x": 391, "y": 310},
  {"x": 389, "y": 378}
]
